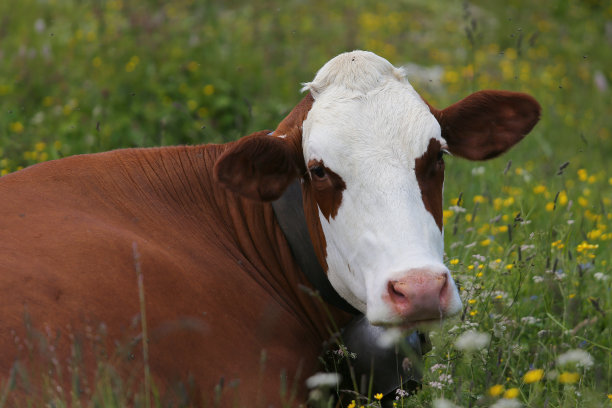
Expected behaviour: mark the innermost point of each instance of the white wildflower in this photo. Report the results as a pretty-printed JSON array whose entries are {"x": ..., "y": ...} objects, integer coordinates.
[
  {"x": 443, "y": 403},
  {"x": 435, "y": 384},
  {"x": 538, "y": 279},
  {"x": 600, "y": 276},
  {"x": 578, "y": 357},
  {"x": 507, "y": 403},
  {"x": 389, "y": 338},
  {"x": 456, "y": 208},
  {"x": 446, "y": 378},
  {"x": 472, "y": 340},
  {"x": 530, "y": 320},
  {"x": 38, "y": 118},
  {"x": 323, "y": 380},
  {"x": 437, "y": 367},
  {"x": 39, "y": 25},
  {"x": 479, "y": 257},
  {"x": 559, "y": 275},
  {"x": 478, "y": 171}
]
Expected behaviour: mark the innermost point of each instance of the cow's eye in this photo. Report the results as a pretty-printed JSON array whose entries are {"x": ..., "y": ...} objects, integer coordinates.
[{"x": 318, "y": 171}]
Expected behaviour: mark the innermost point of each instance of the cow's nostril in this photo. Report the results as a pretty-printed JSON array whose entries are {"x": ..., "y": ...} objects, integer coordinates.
[{"x": 395, "y": 291}]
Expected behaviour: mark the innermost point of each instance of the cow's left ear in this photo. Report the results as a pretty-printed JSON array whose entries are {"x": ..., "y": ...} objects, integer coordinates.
[
  {"x": 487, "y": 123},
  {"x": 259, "y": 166}
]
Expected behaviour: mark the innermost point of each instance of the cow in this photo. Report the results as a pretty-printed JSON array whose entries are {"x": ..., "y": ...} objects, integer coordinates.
[{"x": 183, "y": 241}]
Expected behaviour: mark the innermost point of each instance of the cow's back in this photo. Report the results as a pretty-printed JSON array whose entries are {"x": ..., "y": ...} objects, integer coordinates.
[{"x": 74, "y": 233}]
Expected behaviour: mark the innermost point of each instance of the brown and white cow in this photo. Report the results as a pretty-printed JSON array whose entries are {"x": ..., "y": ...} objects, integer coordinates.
[{"x": 220, "y": 284}]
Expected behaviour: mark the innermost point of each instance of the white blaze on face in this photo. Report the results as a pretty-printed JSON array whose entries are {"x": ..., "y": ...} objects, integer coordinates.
[{"x": 369, "y": 126}]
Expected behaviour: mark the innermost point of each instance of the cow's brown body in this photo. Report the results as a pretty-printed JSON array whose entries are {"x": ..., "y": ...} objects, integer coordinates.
[{"x": 220, "y": 283}]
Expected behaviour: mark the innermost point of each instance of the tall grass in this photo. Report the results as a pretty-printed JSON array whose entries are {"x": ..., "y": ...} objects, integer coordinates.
[{"x": 528, "y": 235}]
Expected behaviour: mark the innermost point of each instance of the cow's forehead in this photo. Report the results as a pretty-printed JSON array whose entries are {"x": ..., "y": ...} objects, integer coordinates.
[{"x": 365, "y": 106}]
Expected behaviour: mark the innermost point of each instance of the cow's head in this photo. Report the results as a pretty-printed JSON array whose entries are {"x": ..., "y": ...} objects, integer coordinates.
[{"x": 369, "y": 152}]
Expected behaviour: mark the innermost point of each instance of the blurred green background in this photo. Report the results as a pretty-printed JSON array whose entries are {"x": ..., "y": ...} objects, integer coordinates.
[
  {"x": 86, "y": 76},
  {"x": 528, "y": 235}
]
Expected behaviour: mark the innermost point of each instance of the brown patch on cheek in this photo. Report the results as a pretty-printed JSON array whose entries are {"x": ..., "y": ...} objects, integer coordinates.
[
  {"x": 322, "y": 190},
  {"x": 430, "y": 175},
  {"x": 327, "y": 190}
]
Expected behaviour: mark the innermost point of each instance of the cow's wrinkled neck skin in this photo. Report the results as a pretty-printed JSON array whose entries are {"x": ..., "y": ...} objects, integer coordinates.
[{"x": 265, "y": 256}]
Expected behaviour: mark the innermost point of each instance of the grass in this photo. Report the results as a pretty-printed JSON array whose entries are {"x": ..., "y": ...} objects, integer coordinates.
[{"x": 527, "y": 235}]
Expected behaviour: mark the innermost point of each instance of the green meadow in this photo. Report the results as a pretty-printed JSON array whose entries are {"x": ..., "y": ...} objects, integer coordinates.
[{"x": 527, "y": 234}]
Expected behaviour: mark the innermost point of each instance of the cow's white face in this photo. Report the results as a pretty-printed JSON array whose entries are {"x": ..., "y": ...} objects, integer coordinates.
[
  {"x": 361, "y": 142},
  {"x": 369, "y": 150}
]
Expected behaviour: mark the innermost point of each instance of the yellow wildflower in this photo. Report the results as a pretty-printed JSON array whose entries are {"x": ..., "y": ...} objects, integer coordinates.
[
  {"x": 353, "y": 404},
  {"x": 511, "y": 393},
  {"x": 496, "y": 390},
  {"x": 378, "y": 396},
  {"x": 454, "y": 261},
  {"x": 562, "y": 199},
  {"x": 17, "y": 127},
  {"x": 208, "y": 90},
  {"x": 567, "y": 377},
  {"x": 582, "y": 175},
  {"x": 557, "y": 244},
  {"x": 485, "y": 242},
  {"x": 539, "y": 189},
  {"x": 193, "y": 66},
  {"x": 192, "y": 105},
  {"x": 533, "y": 376},
  {"x": 202, "y": 112}
]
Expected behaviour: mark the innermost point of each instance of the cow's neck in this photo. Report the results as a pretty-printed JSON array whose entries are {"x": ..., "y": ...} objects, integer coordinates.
[{"x": 247, "y": 228}]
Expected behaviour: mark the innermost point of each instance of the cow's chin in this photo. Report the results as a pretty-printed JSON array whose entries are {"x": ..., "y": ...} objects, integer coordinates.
[
  {"x": 394, "y": 320},
  {"x": 422, "y": 325}
]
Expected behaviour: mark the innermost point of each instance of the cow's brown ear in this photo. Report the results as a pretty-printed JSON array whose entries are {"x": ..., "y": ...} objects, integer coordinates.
[
  {"x": 259, "y": 166},
  {"x": 262, "y": 165},
  {"x": 487, "y": 123}
]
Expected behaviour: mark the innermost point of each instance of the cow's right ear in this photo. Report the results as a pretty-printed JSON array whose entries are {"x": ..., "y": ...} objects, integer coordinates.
[
  {"x": 487, "y": 123},
  {"x": 260, "y": 166}
]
